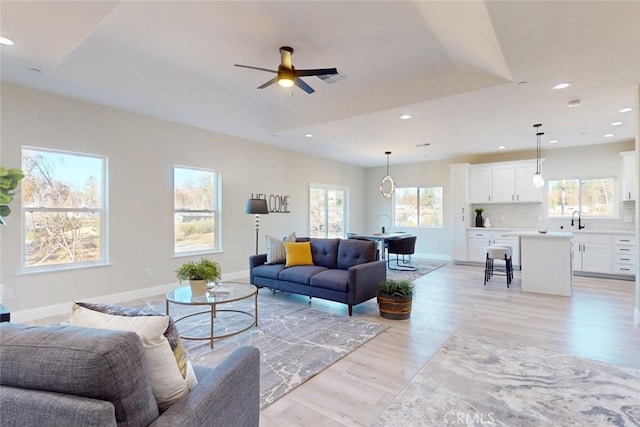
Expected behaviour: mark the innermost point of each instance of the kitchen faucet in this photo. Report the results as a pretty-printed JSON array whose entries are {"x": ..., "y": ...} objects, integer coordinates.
[{"x": 580, "y": 226}]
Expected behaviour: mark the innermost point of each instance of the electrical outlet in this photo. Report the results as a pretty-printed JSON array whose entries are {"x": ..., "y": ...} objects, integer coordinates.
[
  {"x": 148, "y": 273},
  {"x": 7, "y": 293},
  {"x": 628, "y": 218}
]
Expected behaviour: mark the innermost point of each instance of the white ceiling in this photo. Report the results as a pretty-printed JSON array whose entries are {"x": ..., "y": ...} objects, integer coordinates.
[{"x": 455, "y": 66}]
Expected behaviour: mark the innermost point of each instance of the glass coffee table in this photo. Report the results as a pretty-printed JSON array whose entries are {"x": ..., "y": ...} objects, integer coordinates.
[{"x": 217, "y": 299}]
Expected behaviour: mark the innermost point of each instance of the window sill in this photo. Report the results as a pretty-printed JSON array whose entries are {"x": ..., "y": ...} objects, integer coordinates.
[{"x": 44, "y": 270}]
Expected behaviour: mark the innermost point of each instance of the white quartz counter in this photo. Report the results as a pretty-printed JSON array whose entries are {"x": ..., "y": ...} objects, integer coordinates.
[{"x": 539, "y": 235}]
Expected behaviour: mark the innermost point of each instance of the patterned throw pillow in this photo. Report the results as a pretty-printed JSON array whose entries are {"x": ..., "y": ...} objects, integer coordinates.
[
  {"x": 170, "y": 334},
  {"x": 298, "y": 253},
  {"x": 275, "y": 249}
]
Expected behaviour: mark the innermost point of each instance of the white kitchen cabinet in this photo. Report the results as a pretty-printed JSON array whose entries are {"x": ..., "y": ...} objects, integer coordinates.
[
  {"x": 460, "y": 215},
  {"x": 592, "y": 253},
  {"x": 477, "y": 245},
  {"x": 502, "y": 184},
  {"x": 478, "y": 240},
  {"x": 629, "y": 180},
  {"x": 525, "y": 191},
  {"x": 480, "y": 184},
  {"x": 506, "y": 182},
  {"x": 625, "y": 255}
]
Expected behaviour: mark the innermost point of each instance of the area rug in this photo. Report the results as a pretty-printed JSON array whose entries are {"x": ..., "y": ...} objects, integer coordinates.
[
  {"x": 473, "y": 380},
  {"x": 296, "y": 342},
  {"x": 424, "y": 266}
]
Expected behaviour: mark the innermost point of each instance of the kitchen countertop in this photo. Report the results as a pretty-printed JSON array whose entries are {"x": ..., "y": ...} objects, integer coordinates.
[
  {"x": 538, "y": 235},
  {"x": 565, "y": 230}
]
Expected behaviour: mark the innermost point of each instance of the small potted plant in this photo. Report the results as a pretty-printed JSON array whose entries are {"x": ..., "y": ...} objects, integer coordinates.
[
  {"x": 394, "y": 299},
  {"x": 479, "y": 220},
  {"x": 199, "y": 273}
]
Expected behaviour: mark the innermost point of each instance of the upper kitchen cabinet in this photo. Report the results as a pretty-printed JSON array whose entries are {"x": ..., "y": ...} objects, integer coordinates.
[
  {"x": 629, "y": 181},
  {"x": 506, "y": 182},
  {"x": 480, "y": 184}
]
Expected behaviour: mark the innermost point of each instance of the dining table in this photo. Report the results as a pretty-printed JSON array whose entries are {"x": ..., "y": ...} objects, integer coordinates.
[{"x": 381, "y": 238}]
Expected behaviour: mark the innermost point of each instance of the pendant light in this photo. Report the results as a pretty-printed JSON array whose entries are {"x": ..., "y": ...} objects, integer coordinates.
[
  {"x": 387, "y": 186},
  {"x": 538, "y": 180}
]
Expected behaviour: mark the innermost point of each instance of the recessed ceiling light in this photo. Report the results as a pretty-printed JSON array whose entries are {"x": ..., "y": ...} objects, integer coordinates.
[
  {"x": 553, "y": 141},
  {"x": 562, "y": 85},
  {"x": 616, "y": 123},
  {"x": 309, "y": 135},
  {"x": 573, "y": 104},
  {"x": 5, "y": 41},
  {"x": 609, "y": 135},
  {"x": 502, "y": 147},
  {"x": 426, "y": 144},
  {"x": 626, "y": 109},
  {"x": 405, "y": 117}
]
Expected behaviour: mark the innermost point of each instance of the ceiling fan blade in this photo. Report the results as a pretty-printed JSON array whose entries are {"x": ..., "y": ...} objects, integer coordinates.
[
  {"x": 302, "y": 85},
  {"x": 269, "y": 83},
  {"x": 256, "y": 68},
  {"x": 316, "y": 72}
]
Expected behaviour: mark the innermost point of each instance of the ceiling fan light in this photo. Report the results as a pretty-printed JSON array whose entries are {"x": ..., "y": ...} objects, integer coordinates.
[{"x": 285, "y": 82}]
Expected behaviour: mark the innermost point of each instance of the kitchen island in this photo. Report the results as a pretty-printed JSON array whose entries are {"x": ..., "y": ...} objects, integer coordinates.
[{"x": 546, "y": 261}]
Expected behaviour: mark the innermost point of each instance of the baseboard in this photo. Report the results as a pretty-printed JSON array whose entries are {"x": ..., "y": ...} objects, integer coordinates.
[{"x": 64, "y": 308}]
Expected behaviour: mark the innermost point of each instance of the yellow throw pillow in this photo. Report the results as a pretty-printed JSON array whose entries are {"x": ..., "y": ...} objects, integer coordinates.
[{"x": 298, "y": 253}]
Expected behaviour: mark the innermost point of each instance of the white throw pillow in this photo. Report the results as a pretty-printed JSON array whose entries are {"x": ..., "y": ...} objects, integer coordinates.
[
  {"x": 275, "y": 249},
  {"x": 167, "y": 382}
]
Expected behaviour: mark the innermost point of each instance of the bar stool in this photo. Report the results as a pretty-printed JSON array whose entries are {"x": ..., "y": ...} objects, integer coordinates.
[{"x": 496, "y": 252}]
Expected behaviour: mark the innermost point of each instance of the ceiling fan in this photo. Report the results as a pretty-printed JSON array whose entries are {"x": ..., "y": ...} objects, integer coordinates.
[{"x": 287, "y": 75}]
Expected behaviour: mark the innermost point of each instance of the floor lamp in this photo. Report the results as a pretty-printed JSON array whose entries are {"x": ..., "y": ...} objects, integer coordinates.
[{"x": 257, "y": 207}]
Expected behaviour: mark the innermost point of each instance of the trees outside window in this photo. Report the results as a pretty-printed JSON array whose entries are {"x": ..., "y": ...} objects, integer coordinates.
[
  {"x": 591, "y": 197},
  {"x": 418, "y": 207},
  {"x": 327, "y": 211},
  {"x": 63, "y": 209},
  {"x": 196, "y": 211}
]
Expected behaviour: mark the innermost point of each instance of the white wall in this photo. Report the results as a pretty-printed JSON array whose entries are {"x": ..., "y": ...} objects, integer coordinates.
[{"x": 141, "y": 152}]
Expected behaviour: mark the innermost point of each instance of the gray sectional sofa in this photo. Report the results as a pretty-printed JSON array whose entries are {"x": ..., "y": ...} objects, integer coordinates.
[
  {"x": 72, "y": 376},
  {"x": 343, "y": 270}
]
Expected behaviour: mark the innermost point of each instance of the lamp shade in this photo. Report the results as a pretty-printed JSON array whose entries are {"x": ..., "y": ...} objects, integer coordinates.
[{"x": 257, "y": 206}]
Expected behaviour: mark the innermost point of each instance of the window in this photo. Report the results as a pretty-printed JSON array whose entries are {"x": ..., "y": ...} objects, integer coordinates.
[
  {"x": 64, "y": 209},
  {"x": 196, "y": 226},
  {"x": 591, "y": 197},
  {"x": 418, "y": 207},
  {"x": 327, "y": 211}
]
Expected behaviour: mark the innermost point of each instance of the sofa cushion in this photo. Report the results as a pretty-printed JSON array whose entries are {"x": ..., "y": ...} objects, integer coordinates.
[
  {"x": 167, "y": 383},
  {"x": 171, "y": 334},
  {"x": 353, "y": 252},
  {"x": 298, "y": 253},
  {"x": 275, "y": 249},
  {"x": 335, "y": 279},
  {"x": 270, "y": 271},
  {"x": 301, "y": 274},
  {"x": 325, "y": 252},
  {"x": 71, "y": 360}
]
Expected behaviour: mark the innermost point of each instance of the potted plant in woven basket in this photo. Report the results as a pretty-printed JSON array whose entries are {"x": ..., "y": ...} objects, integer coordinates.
[
  {"x": 394, "y": 299},
  {"x": 199, "y": 273}
]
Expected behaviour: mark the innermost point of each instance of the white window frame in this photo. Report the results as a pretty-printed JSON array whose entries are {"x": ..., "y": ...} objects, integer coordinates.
[
  {"x": 417, "y": 190},
  {"x": 103, "y": 211},
  {"x": 345, "y": 213},
  {"x": 614, "y": 195},
  {"x": 216, "y": 212}
]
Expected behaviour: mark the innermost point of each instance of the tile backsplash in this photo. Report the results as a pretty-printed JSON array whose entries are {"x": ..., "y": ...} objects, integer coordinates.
[{"x": 532, "y": 215}]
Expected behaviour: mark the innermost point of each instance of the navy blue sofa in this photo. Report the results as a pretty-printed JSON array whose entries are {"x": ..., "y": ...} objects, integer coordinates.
[{"x": 344, "y": 270}]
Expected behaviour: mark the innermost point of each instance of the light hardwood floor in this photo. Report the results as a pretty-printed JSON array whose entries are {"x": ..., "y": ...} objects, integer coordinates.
[{"x": 596, "y": 323}]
